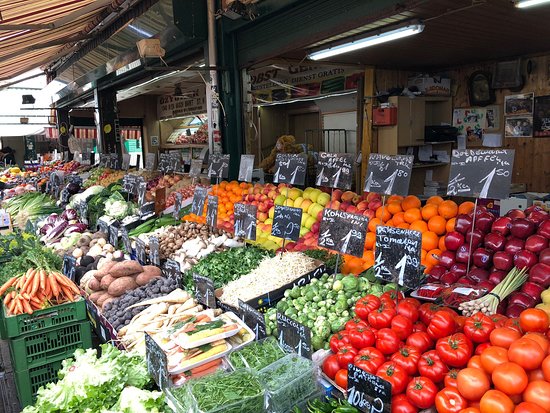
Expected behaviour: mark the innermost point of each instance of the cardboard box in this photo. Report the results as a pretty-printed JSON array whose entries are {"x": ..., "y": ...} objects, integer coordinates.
[
  {"x": 432, "y": 85},
  {"x": 514, "y": 202}
]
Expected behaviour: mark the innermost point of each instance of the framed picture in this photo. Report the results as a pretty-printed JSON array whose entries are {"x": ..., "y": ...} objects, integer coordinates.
[
  {"x": 541, "y": 117},
  {"x": 515, "y": 105},
  {"x": 470, "y": 122},
  {"x": 518, "y": 127},
  {"x": 492, "y": 118}
]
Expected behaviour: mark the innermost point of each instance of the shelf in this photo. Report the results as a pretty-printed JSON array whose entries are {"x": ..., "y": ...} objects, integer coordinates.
[
  {"x": 439, "y": 143},
  {"x": 429, "y": 165},
  {"x": 184, "y": 146}
]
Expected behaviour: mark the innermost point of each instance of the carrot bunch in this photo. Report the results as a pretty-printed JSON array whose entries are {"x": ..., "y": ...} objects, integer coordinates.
[{"x": 35, "y": 290}]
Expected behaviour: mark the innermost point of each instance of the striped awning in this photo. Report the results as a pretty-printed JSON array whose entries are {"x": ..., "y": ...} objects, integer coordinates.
[{"x": 34, "y": 33}]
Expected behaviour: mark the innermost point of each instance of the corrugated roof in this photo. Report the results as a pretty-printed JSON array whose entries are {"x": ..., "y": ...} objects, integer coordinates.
[{"x": 36, "y": 32}]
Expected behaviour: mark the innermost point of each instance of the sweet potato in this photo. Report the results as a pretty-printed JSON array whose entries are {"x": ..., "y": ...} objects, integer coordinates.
[
  {"x": 101, "y": 301},
  {"x": 105, "y": 268},
  {"x": 149, "y": 272},
  {"x": 94, "y": 298},
  {"x": 120, "y": 285},
  {"x": 125, "y": 268},
  {"x": 94, "y": 285},
  {"x": 106, "y": 281}
]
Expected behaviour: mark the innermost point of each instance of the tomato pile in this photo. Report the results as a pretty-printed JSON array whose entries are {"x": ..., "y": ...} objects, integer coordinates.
[{"x": 432, "y": 357}]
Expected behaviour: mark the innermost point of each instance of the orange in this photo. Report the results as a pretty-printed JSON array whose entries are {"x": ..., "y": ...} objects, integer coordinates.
[
  {"x": 368, "y": 260},
  {"x": 423, "y": 254},
  {"x": 373, "y": 223},
  {"x": 432, "y": 256},
  {"x": 394, "y": 207},
  {"x": 435, "y": 200},
  {"x": 437, "y": 224},
  {"x": 430, "y": 240},
  {"x": 448, "y": 209},
  {"x": 383, "y": 214},
  {"x": 412, "y": 214},
  {"x": 441, "y": 245},
  {"x": 466, "y": 207},
  {"x": 429, "y": 211},
  {"x": 398, "y": 218},
  {"x": 370, "y": 240},
  {"x": 403, "y": 225},
  {"x": 409, "y": 202},
  {"x": 450, "y": 226},
  {"x": 355, "y": 265},
  {"x": 395, "y": 198},
  {"x": 419, "y": 226},
  {"x": 390, "y": 223}
]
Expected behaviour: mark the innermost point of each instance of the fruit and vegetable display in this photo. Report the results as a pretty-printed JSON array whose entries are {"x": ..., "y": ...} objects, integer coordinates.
[{"x": 29, "y": 206}]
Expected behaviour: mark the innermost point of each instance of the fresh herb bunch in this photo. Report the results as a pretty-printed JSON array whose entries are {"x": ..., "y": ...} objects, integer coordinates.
[
  {"x": 327, "y": 257},
  {"x": 257, "y": 355}
]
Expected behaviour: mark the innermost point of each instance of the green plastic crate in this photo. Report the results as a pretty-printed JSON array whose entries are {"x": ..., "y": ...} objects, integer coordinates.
[
  {"x": 29, "y": 381},
  {"x": 14, "y": 326},
  {"x": 45, "y": 346}
]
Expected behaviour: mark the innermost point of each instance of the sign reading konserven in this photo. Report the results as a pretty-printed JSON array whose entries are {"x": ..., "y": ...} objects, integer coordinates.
[{"x": 193, "y": 103}]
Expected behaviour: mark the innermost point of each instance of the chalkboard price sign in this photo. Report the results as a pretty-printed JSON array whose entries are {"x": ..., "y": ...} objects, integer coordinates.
[
  {"x": 147, "y": 209},
  {"x": 104, "y": 160},
  {"x": 286, "y": 222},
  {"x": 481, "y": 173},
  {"x": 154, "y": 251},
  {"x": 171, "y": 269},
  {"x": 125, "y": 161},
  {"x": 113, "y": 162},
  {"x": 65, "y": 195},
  {"x": 175, "y": 162},
  {"x": 293, "y": 336},
  {"x": 199, "y": 197},
  {"x": 246, "y": 167},
  {"x": 129, "y": 184},
  {"x": 82, "y": 209},
  {"x": 164, "y": 162},
  {"x": 343, "y": 232},
  {"x": 253, "y": 319},
  {"x": 195, "y": 168},
  {"x": 177, "y": 205},
  {"x": 218, "y": 166},
  {"x": 150, "y": 161},
  {"x": 245, "y": 221},
  {"x": 335, "y": 170},
  {"x": 141, "y": 252},
  {"x": 212, "y": 211},
  {"x": 142, "y": 187},
  {"x": 103, "y": 226},
  {"x": 290, "y": 168},
  {"x": 69, "y": 266},
  {"x": 113, "y": 233},
  {"x": 74, "y": 179},
  {"x": 398, "y": 255},
  {"x": 367, "y": 392},
  {"x": 389, "y": 174},
  {"x": 126, "y": 239},
  {"x": 156, "y": 361},
  {"x": 204, "y": 290}
]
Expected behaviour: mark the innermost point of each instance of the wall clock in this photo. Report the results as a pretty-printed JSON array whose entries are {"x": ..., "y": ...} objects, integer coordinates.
[{"x": 479, "y": 89}]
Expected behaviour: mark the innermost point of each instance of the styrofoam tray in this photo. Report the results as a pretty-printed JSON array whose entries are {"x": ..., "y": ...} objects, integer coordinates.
[
  {"x": 200, "y": 363},
  {"x": 185, "y": 344},
  {"x": 234, "y": 317}
]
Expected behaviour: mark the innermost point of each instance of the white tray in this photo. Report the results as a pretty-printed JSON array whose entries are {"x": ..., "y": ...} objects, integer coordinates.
[
  {"x": 186, "y": 345},
  {"x": 200, "y": 363}
]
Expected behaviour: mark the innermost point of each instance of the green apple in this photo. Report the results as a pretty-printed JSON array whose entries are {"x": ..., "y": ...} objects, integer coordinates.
[
  {"x": 323, "y": 199},
  {"x": 280, "y": 200}
]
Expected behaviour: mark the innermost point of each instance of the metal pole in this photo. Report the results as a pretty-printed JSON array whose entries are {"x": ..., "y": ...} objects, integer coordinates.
[{"x": 212, "y": 99}]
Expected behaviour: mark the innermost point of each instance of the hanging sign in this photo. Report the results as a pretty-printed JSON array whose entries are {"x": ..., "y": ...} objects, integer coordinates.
[
  {"x": 204, "y": 290},
  {"x": 141, "y": 253},
  {"x": 481, "y": 173},
  {"x": 245, "y": 221},
  {"x": 367, "y": 392},
  {"x": 253, "y": 319},
  {"x": 290, "y": 168},
  {"x": 175, "y": 162},
  {"x": 164, "y": 163},
  {"x": 218, "y": 166},
  {"x": 141, "y": 189},
  {"x": 156, "y": 361},
  {"x": 335, "y": 170},
  {"x": 389, "y": 174},
  {"x": 113, "y": 233},
  {"x": 293, "y": 336},
  {"x": 343, "y": 232},
  {"x": 126, "y": 239},
  {"x": 286, "y": 222},
  {"x": 212, "y": 211},
  {"x": 199, "y": 198},
  {"x": 246, "y": 167},
  {"x": 193, "y": 103},
  {"x": 150, "y": 161}
]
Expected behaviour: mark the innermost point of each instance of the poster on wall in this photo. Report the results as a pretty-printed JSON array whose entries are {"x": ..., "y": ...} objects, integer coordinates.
[
  {"x": 470, "y": 122},
  {"x": 541, "y": 117},
  {"x": 518, "y": 127},
  {"x": 492, "y": 118},
  {"x": 193, "y": 102},
  {"x": 515, "y": 105}
]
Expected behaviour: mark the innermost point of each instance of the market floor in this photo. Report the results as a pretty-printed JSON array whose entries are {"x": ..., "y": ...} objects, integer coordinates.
[{"x": 8, "y": 393}]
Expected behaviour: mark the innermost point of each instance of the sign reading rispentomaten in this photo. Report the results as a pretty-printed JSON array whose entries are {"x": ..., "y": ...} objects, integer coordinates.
[
  {"x": 398, "y": 255},
  {"x": 290, "y": 168},
  {"x": 286, "y": 222},
  {"x": 389, "y": 174},
  {"x": 367, "y": 392},
  {"x": 293, "y": 336},
  {"x": 481, "y": 173},
  {"x": 343, "y": 232},
  {"x": 218, "y": 166},
  {"x": 335, "y": 170},
  {"x": 246, "y": 167},
  {"x": 245, "y": 221}
]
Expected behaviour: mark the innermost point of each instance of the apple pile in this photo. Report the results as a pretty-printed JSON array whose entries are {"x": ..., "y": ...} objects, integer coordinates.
[{"x": 518, "y": 239}]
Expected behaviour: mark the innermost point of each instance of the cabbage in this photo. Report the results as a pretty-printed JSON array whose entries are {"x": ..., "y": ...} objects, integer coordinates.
[
  {"x": 116, "y": 206},
  {"x": 134, "y": 400},
  {"x": 83, "y": 196}
]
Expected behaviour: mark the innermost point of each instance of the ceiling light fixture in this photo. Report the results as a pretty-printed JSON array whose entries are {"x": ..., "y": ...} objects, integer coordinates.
[
  {"x": 523, "y": 4},
  {"x": 372, "y": 40}
]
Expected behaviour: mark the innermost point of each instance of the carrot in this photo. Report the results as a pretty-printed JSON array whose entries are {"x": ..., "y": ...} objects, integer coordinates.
[
  {"x": 54, "y": 286},
  {"x": 42, "y": 280},
  {"x": 36, "y": 300},
  {"x": 7, "y": 300},
  {"x": 206, "y": 366},
  {"x": 27, "y": 307},
  {"x": 203, "y": 373},
  {"x": 8, "y": 284},
  {"x": 29, "y": 281},
  {"x": 11, "y": 308},
  {"x": 21, "y": 281},
  {"x": 62, "y": 280},
  {"x": 66, "y": 292},
  {"x": 48, "y": 289},
  {"x": 35, "y": 282},
  {"x": 18, "y": 305}
]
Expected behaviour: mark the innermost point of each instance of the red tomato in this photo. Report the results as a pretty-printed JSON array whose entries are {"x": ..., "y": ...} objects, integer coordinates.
[
  {"x": 339, "y": 340},
  {"x": 427, "y": 310},
  {"x": 392, "y": 295},
  {"x": 449, "y": 400},
  {"x": 504, "y": 336},
  {"x": 470, "y": 409},
  {"x": 342, "y": 378},
  {"x": 538, "y": 392},
  {"x": 407, "y": 357},
  {"x": 533, "y": 319},
  {"x": 396, "y": 375},
  {"x": 513, "y": 323},
  {"x": 460, "y": 321},
  {"x": 472, "y": 383},
  {"x": 419, "y": 326},
  {"x": 541, "y": 339},
  {"x": 365, "y": 305},
  {"x": 421, "y": 392},
  {"x": 381, "y": 317},
  {"x": 527, "y": 353},
  {"x": 492, "y": 357},
  {"x": 401, "y": 404},
  {"x": 495, "y": 401},
  {"x": 475, "y": 362},
  {"x": 402, "y": 326},
  {"x": 481, "y": 347},
  {"x": 450, "y": 378},
  {"x": 455, "y": 350},
  {"x": 431, "y": 366},
  {"x": 499, "y": 320},
  {"x": 528, "y": 407},
  {"x": 387, "y": 341},
  {"x": 331, "y": 366},
  {"x": 409, "y": 310},
  {"x": 355, "y": 323},
  {"x": 345, "y": 355},
  {"x": 510, "y": 378},
  {"x": 537, "y": 374},
  {"x": 441, "y": 325},
  {"x": 478, "y": 328},
  {"x": 369, "y": 359},
  {"x": 420, "y": 340},
  {"x": 361, "y": 338}
]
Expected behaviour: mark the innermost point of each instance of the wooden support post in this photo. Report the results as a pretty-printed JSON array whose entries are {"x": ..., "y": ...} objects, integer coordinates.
[{"x": 366, "y": 141}]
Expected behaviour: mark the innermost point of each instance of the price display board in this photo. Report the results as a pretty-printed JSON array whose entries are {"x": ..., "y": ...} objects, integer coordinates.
[
  {"x": 389, "y": 174},
  {"x": 69, "y": 266},
  {"x": 343, "y": 232},
  {"x": 147, "y": 209},
  {"x": 141, "y": 252},
  {"x": 154, "y": 251},
  {"x": 156, "y": 361},
  {"x": 141, "y": 189},
  {"x": 293, "y": 336},
  {"x": 195, "y": 168},
  {"x": 335, "y": 170},
  {"x": 398, "y": 256},
  {"x": 164, "y": 163},
  {"x": 177, "y": 205},
  {"x": 113, "y": 161},
  {"x": 103, "y": 226},
  {"x": 113, "y": 233},
  {"x": 367, "y": 392},
  {"x": 125, "y": 161},
  {"x": 253, "y": 319},
  {"x": 82, "y": 209},
  {"x": 129, "y": 183},
  {"x": 150, "y": 161},
  {"x": 245, "y": 168},
  {"x": 245, "y": 221},
  {"x": 126, "y": 239},
  {"x": 481, "y": 173},
  {"x": 212, "y": 211},
  {"x": 171, "y": 269},
  {"x": 204, "y": 290},
  {"x": 290, "y": 168},
  {"x": 104, "y": 160},
  {"x": 218, "y": 166},
  {"x": 286, "y": 222},
  {"x": 199, "y": 198}
]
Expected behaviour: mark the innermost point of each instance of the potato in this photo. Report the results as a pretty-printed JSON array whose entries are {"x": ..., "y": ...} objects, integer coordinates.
[
  {"x": 98, "y": 276},
  {"x": 149, "y": 272},
  {"x": 106, "y": 281},
  {"x": 94, "y": 285},
  {"x": 125, "y": 268},
  {"x": 101, "y": 301},
  {"x": 105, "y": 267},
  {"x": 122, "y": 284},
  {"x": 96, "y": 296}
]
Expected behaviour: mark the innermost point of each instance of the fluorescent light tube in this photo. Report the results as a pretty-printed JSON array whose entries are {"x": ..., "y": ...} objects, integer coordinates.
[
  {"x": 368, "y": 41},
  {"x": 522, "y": 4}
]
